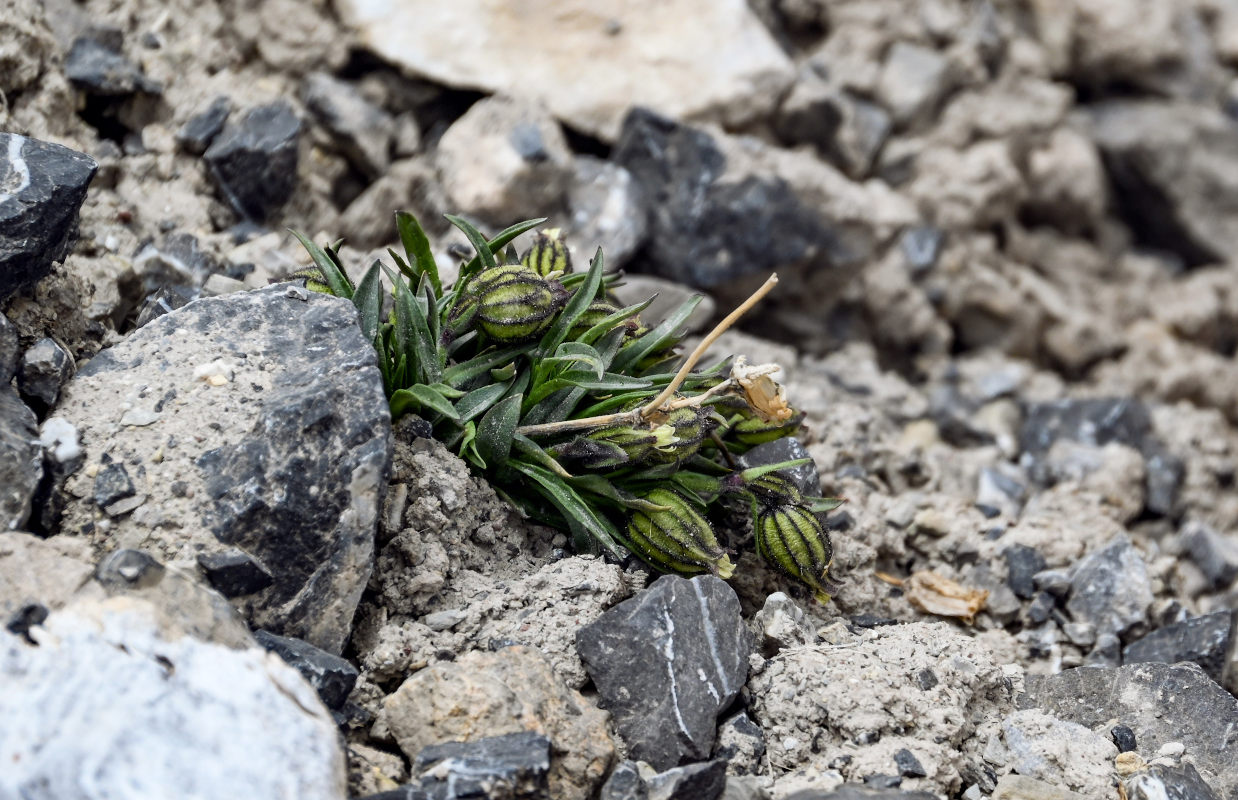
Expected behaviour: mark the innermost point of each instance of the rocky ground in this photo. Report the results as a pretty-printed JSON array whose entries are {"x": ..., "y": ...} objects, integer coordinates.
[{"x": 1006, "y": 232}]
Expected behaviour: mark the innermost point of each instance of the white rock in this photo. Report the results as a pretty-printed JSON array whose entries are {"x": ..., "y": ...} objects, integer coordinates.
[
  {"x": 104, "y": 707},
  {"x": 685, "y": 59}
]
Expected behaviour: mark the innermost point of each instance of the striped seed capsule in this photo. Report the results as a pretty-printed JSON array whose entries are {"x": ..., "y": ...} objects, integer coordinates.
[
  {"x": 691, "y": 425},
  {"x": 512, "y": 303},
  {"x": 612, "y": 446},
  {"x": 677, "y": 539},
  {"x": 592, "y": 315},
  {"x": 549, "y": 254},
  {"x": 792, "y": 540},
  {"x": 772, "y": 490}
]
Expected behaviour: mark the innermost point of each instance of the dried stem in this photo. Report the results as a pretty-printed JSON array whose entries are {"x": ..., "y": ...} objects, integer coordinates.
[{"x": 658, "y": 402}]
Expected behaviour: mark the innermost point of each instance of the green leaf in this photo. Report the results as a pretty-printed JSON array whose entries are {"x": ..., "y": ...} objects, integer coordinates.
[
  {"x": 450, "y": 392},
  {"x": 477, "y": 239},
  {"x": 602, "y": 487},
  {"x": 575, "y": 307},
  {"x": 468, "y": 446},
  {"x": 580, "y": 517},
  {"x": 823, "y": 505},
  {"x": 480, "y": 365},
  {"x": 752, "y": 473},
  {"x": 420, "y": 395},
  {"x": 496, "y": 429},
  {"x": 609, "y": 382},
  {"x": 608, "y": 322},
  {"x": 572, "y": 353},
  {"x": 412, "y": 333},
  {"x": 534, "y": 451},
  {"x": 369, "y": 300},
  {"x": 332, "y": 275},
  {"x": 503, "y": 373},
  {"x": 696, "y": 483},
  {"x": 480, "y": 400},
  {"x": 657, "y": 339},
  {"x": 555, "y": 408},
  {"x": 502, "y": 238},
  {"x": 402, "y": 264},
  {"x": 417, "y": 248}
]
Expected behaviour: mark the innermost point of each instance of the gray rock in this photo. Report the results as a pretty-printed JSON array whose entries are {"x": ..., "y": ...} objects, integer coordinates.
[
  {"x": 705, "y": 781},
  {"x": 921, "y": 247},
  {"x": 1179, "y": 782},
  {"x": 1165, "y": 472},
  {"x": 1022, "y": 565},
  {"x": 1174, "y": 167},
  {"x": 847, "y": 131},
  {"x": 1123, "y": 738},
  {"x": 705, "y": 232},
  {"x": 1207, "y": 641},
  {"x": 908, "y": 765},
  {"x": 44, "y": 369},
  {"x": 851, "y": 791},
  {"x": 625, "y": 783},
  {"x": 1216, "y": 555},
  {"x": 98, "y": 67},
  {"x": 780, "y": 624},
  {"x": 361, "y": 130},
  {"x": 607, "y": 211},
  {"x": 21, "y": 460},
  {"x": 234, "y": 573},
  {"x": 10, "y": 350},
  {"x": 331, "y": 676},
  {"x": 511, "y": 767},
  {"x": 294, "y": 479},
  {"x": 156, "y": 713},
  {"x": 1000, "y": 489},
  {"x": 201, "y": 129},
  {"x": 913, "y": 80},
  {"x": 666, "y": 663},
  {"x": 254, "y": 160},
  {"x": 176, "y": 258},
  {"x": 1110, "y": 588},
  {"x": 788, "y": 448},
  {"x": 42, "y": 186},
  {"x": 1159, "y": 702},
  {"x": 165, "y": 300},
  {"x": 741, "y": 744}
]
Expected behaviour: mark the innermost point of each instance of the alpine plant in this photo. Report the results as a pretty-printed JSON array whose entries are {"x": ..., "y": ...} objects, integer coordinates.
[{"x": 578, "y": 412}]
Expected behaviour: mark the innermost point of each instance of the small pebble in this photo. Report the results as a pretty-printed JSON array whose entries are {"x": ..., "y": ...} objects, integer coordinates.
[
  {"x": 1123, "y": 737},
  {"x": 1171, "y": 750}
]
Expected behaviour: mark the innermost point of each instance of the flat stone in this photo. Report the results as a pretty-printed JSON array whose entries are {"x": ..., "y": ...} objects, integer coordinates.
[
  {"x": 1214, "y": 553},
  {"x": 666, "y": 662},
  {"x": 1023, "y": 787},
  {"x": 1179, "y": 782},
  {"x": 846, "y": 130},
  {"x": 851, "y": 791},
  {"x": 1207, "y": 640},
  {"x": 234, "y": 573},
  {"x": 44, "y": 369},
  {"x": 741, "y": 744},
  {"x": 703, "y": 781},
  {"x": 42, "y": 186},
  {"x": 331, "y": 676},
  {"x": 201, "y": 129},
  {"x": 361, "y": 130},
  {"x": 253, "y": 161},
  {"x": 21, "y": 460},
  {"x": 510, "y": 767},
  {"x": 294, "y": 479},
  {"x": 1022, "y": 564},
  {"x": 99, "y": 68},
  {"x": 1110, "y": 588},
  {"x": 156, "y": 714},
  {"x": 694, "y": 58},
  {"x": 625, "y": 783},
  {"x": 1160, "y": 702}
]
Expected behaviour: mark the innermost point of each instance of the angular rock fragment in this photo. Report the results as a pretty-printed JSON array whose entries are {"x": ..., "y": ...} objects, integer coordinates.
[
  {"x": 331, "y": 676},
  {"x": 253, "y": 161},
  {"x": 96, "y": 65},
  {"x": 666, "y": 663},
  {"x": 362, "y": 130},
  {"x": 1207, "y": 640},
  {"x": 201, "y": 129},
  {"x": 21, "y": 460},
  {"x": 10, "y": 350},
  {"x": 1179, "y": 782},
  {"x": 1110, "y": 588},
  {"x": 235, "y": 573},
  {"x": 703, "y": 781},
  {"x": 44, "y": 369},
  {"x": 42, "y": 186}
]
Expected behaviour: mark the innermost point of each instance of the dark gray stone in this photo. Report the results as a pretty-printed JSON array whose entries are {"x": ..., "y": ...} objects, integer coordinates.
[
  {"x": 1163, "y": 480},
  {"x": 705, "y": 232},
  {"x": 926, "y": 679},
  {"x": 1110, "y": 588},
  {"x": 23, "y": 619},
  {"x": 331, "y": 676},
  {"x": 883, "y": 781},
  {"x": 201, "y": 129},
  {"x": 921, "y": 247},
  {"x": 1160, "y": 702},
  {"x": 666, "y": 663},
  {"x": 741, "y": 743},
  {"x": 112, "y": 483},
  {"x": 851, "y": 791},
  {"x": 788, "y": 448},
  {"x": 1022, "y": 564},
  {"x": 511, "y": 767},
  {"x": 234, "y": 573},
  {"x": 705, "y": 781},
  {"x": 129, "y": 569},
  {"x": 1179, "y": 782},
  {"x": 44, "y": 369},
  {"x": 625, "y": 783},
  {"x": 1053, "y": 581},
  {"x": 97, "y": 67},
  {"x": 1123, "y": 738},
  {"x": 42, "y": 186},
  {"x": 847, "y": 131},
  {"x": 253, "y": 161},
  {"x": 526, "y": 139},
  {"x": 163, "y": 301},
  {"x": 176, "y": 258},
  {"x": 1215, "y": 554},
  {"x": 1041, "y": 607},
  {"x": 362, "y": 131},
  {"x": 21, "y": 460},
  {"x": 10, "y": 351},
  {"x": 908, "y": 765},
  {"x": 1206, "y": 641}
]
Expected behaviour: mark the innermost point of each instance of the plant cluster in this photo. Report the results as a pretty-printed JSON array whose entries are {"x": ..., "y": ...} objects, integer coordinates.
[{"x": 569, "y": 405}]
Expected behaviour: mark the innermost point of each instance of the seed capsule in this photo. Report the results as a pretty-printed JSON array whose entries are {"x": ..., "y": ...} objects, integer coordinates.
[
  {"x": 791, "y": 539},
  {"x": 595, "y": 313},
  {"x": 512, "y": 303},
  {"x": 751, "y": 429},
  {"x": 549, "y": 254},
  {"x": 691, "y": 425},
  {"x": 612, "y": 446},
  {"x": 314, "y": 281},
  {"x": 677, "y": 539},
  {"x": 772, "y": 490}
]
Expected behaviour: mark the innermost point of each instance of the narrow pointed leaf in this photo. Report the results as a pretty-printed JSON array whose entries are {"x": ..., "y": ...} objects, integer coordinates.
[
  {"x": 575, "y": 510},
  {"x": 478, "y": 401},
  {"x": 422, "y": 396},
  {"x": 332, "y": 275},
  {"x": 658, "y": 338},
  {"x": 495, "y": 431},
  {"x": 460, "y": 373},
  {"x": 476, "y": 238},
  {"x": 417, "y": 248},
  {"x": 369, "y": 300},
  {"x": 533, "y": 451},
  {"x": 413, "y": 334},
  {"x": 575, "y": 307}
]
